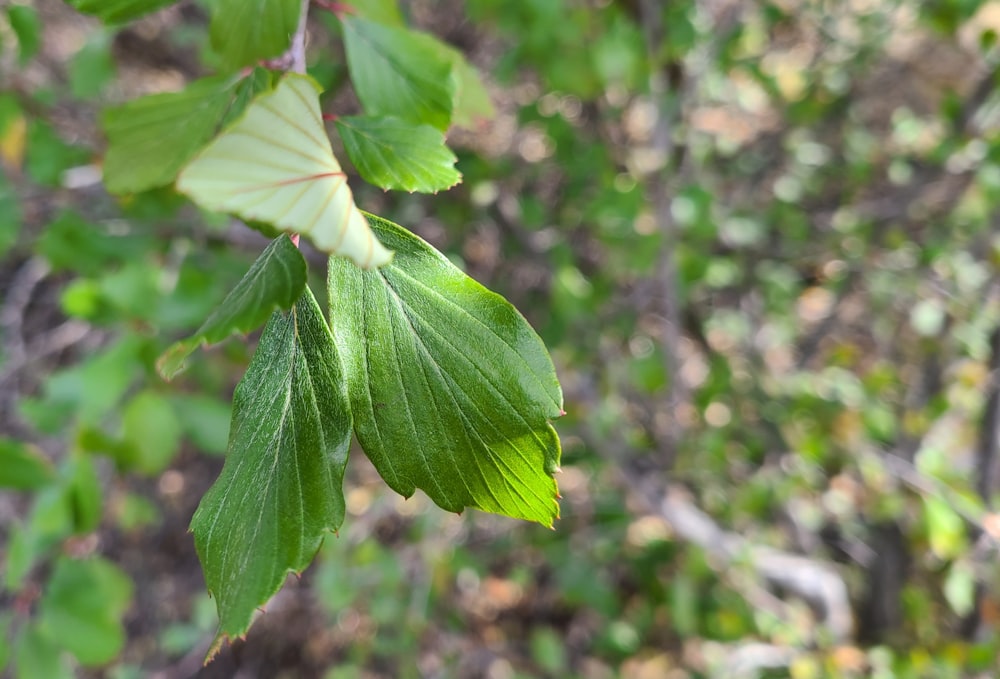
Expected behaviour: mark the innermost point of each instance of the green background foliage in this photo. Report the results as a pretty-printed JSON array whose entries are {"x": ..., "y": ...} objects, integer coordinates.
[{"x": 759, "y": 241}]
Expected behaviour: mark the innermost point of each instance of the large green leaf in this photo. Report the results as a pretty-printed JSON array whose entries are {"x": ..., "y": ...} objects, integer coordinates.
[
  {"x": 82, "y": 608},
  {"x": 151, "y": 138},
  {"x": 281, "y": 487},
  {"x": 247, "y": 31},
  {"x": 451, "y": 390},
  {"x": 274, "y": 281},
  {"x": 395, "y": 154},
  {"x": 275, "y": 165},
  {"x": 398, "y": 72},
  {"x": 118, "y": 11}
]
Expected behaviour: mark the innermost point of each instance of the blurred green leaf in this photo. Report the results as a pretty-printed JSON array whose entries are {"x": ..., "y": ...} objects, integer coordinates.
[
  {"x": 83, "y": 493},
  {"x": 136, "y": 512},
  {"x": 274, "y": 281},
  {"x": 23, "y": 466},
  {"x": 74, "y": 243},
  {"x": 48, "y": 156},
  {"x": 11, "y": 217},
  {"x": 27, "y": 27},
  {"x": 150, "y": 139},
  {"x": 246, "y": 31},
  {"x": 5, "y": 619},
  {"x": 451, "y": 389},
  {"x": 20, "y": 556},
  {"x": 960, "y": 588},
  {"x": 281, "y": 489},
  {"x": 118, "y": 11},
  {"x": 151, "y": 431},
  {"x": 93, "y": 387},
  {"x": 394, "y": 154},
  {"x": 36, "y": 655},
  {"x": 382, "y": 11},
  {"x": 205, "y": 420},
  {"x": 92, "y": 68},
  {"x": 548, "y": 649},
  {"x": 398, "y": 72},
  {"x": 945, "y": 528},
  {"x": 82, "y": 609}
]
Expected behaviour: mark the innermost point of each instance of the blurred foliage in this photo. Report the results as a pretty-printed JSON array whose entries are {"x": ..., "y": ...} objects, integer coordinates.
[{"x": 761, "y": 242}]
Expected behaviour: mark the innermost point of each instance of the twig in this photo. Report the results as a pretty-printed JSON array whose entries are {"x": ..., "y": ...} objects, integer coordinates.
[
  {"x": 814, "y": 581},
  {"x": 659, "y": 190},
  {"x": 988, "y": 448},
  {"x": 297, "y": 50}
]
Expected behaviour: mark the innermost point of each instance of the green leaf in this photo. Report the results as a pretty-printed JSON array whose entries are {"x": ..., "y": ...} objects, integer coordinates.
[
  {"x": 398, "y": 72},
  {"x": 92, "y": 68},
  {"x": 472, "y": 100},
  {"x": 48, "y": 156},
  {"x": 247, "y": 31},
  {"x": 281, "y": 487},
  {"x": 383, "y": 11},
  {"x": 394, "y": 154},
  {"x": 275, "y": 165},
  {"x": 274, "y": 281},
  {"x": 83, "y": 493},
  {"x": 960, "y": 588},
  {"x": 27, "y": 27},
  {"x": 205, "y": 420},
  {"x": 451, "y": 389},
  {"x": 10, "y": 216},
  {"x": 20, "y": 557},
  {"x": 151, "y": 431},
  {"x": 945, "y": 528},
  {"x": 82, "y": 608},
  {"x": 22, "y": 466},
  {"x": 36, "y": 655},
  {"x": 5, "y": 618},
  {"x": 118, "y": 11},
  {"x": 151, "y": 138}
]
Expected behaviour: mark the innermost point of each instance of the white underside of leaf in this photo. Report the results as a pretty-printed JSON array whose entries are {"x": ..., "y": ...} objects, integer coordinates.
[{"x": 275, "y": 165}]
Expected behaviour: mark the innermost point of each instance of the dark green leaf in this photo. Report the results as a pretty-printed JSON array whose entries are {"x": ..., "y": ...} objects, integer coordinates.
[
  {"x": 451, "y": 389},
  {"x": 10, "y": 214},
  {"x": 247, "y": 31},
  {"x": 152, "y": 138},
  {"x": 274, "y": 281},
  {"x": 118, "y": 11},
  {"x": 48, "y": 156},
  {"x": 395, "y": 154},
  {"x": 82, "y": 608},
  {"x": 83, "y": 493},
  {"x": 28, "y": 27},
  {"x": 397, "y": 72},
  {"x": 23, "y": 466},
  {"x": 281, "y": 487}
]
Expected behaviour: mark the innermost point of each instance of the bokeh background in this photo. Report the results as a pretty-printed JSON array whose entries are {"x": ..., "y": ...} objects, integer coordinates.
[{"x": 760, "y": 240}]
